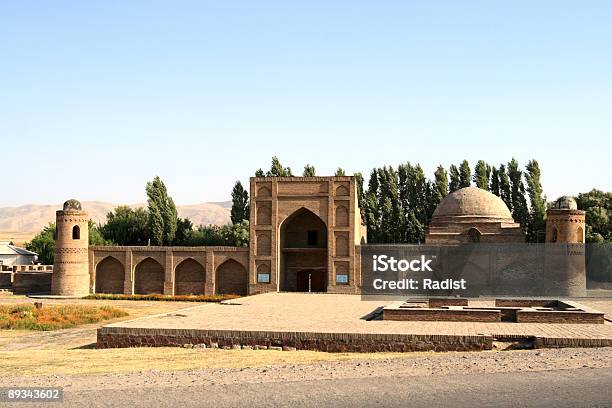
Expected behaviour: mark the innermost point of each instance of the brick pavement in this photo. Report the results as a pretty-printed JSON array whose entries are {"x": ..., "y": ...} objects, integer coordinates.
[{"x": 287, "y": 313}]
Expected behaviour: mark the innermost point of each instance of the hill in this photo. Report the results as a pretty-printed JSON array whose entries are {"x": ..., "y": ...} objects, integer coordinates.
[{"x": 20, "y": 224}]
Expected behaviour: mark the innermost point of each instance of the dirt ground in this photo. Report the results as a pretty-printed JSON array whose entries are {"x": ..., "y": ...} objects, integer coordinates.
[{"x": 67, "y": 358}]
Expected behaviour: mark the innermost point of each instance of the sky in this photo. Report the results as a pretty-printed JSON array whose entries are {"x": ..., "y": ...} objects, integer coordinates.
[{"x": 98, "y": 97}]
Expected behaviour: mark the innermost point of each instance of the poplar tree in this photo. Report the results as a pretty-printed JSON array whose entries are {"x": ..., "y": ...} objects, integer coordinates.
[
  {"x": 277, "y": 169},
  {"x": 504, "y": 187},
  {"x": 259, "y": 173},
  {"x": 482, "y": 173},
  {"x": 340, "y": 172},
  {"x": 441, "y": 184},
  {"x": 537, "y": 213},
  {"x": 360, "y": 194},
  {"x": 240, "y": 204},
  {"x": 309, "y": 171},
  {"x": 455, "y": 179},
  {"x": 464, "y": 174},
  {"x": 494, "y": 187},
  {"x": 162, "y": 213},
  {"x": 520, "y": 212},
  {"x": 372, "y": 212}
]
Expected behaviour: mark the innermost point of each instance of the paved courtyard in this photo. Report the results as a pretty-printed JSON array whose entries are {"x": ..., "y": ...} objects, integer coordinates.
[{"x": 346, "y": 314}]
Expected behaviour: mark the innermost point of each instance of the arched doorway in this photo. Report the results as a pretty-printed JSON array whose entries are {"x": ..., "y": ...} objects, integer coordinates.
[
  {"x": 110, "y": 276},
  {"x": 303, "y": 263},
  {"x": 149, "y": 277},
  {"x": 231, "y": 279},
  {"x": 189, "y": 278}
]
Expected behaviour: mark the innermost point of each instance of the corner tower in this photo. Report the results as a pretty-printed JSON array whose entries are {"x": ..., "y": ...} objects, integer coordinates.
[
  {"x": 565, "y": 269},
  {"x": 565, "y": 223},
  {"x": 71, "y": 263}
]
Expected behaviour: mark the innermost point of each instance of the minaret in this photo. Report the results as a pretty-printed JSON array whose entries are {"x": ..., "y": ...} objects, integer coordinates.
[
  {"x": 71, "y": 263},
  {"x": 565, "y": 270}
]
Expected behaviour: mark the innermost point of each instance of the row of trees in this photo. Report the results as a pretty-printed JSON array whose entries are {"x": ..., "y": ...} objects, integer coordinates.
[
  {"x": 396, "y": 207},
  {"x": 398, "y": 203}
]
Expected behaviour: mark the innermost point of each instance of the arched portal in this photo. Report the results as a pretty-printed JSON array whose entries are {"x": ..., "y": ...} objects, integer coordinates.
[
  {"x": 149, "y": 277},
  {"x": 303, "y": 263},
  {"x": 110, "y": 276},
  {"x": 231, "y": 279},
  {"x": 189, "y": 278}
]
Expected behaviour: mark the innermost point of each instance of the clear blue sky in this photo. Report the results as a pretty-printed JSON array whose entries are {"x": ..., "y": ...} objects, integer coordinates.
[{"x": 97, "y": 97}]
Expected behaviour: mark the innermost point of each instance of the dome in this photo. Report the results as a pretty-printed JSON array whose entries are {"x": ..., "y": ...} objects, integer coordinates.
[
  {"x": 72, "y": 205},
  {"x": 472, "y": 202},
  {"x": 565, "y": 203}
]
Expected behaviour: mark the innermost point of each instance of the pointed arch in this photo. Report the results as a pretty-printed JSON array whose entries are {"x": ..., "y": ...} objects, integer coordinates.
[
  {"x": 189, "y": 278},
  {"x": 342, "y": 216},
  {"x": 76, "y": 232},
  {"x": 580, "y": 235},
  {"x": 149, "y": 277},
  {"x": 110, "y": 276},
  {"x": 231, "y": 278},
  {"x": 303, "y": 260},
  {"x": 474, "y": 235}
]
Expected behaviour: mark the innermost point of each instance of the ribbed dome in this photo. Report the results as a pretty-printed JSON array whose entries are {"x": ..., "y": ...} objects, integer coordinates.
[{"x": 472, "y": 202}]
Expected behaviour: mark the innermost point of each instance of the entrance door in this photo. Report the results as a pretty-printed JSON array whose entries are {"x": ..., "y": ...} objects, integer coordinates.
[{"x": 311, "y": 281}]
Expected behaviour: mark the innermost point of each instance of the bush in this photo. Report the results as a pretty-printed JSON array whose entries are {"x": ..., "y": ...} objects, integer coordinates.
[
  {"x": 167, "y": 298},
  {"x": 27, "y": 317}
]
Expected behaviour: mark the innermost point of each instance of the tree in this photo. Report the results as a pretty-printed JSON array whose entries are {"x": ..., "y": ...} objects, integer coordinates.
[
  {"x": 309, "y": 171},
  {"x": 360, "y": 194},
  {"x": 277, "y": 169},
  {"x": 340, "y": 172},
  {"x": 520, "y": 212},
  {"x": 95, "y": 235},
  {"x": 126, "y": 226},
  {"x": 598, "y": 207},
  {"x": 162, "y": 213},
  {"x": 43, "y": 244},
  {"x": 259, "y": 173},
  {"x": 184, "y": 230},
  {"x": 537, "y": 211},
  {"x": 455, "y": 179},
  {"x": 494, "y": 187},
  {"x": 240, "y": 204},
  {"x": 441, "y": 184},
  {"x": 482, "y": 173},
  {"x": 504, "y": 187},
  {"x": 372, "y": 208},
  {"x": 464, "y": 174}
]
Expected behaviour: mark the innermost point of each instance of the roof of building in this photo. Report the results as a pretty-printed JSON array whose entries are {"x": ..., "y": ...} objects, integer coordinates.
[
  {"x": 72, "y": 204},
  {"x": 565, "y": 203},
  {"x": 7, "y": 249},
  {"x": 472, "y": 202}
]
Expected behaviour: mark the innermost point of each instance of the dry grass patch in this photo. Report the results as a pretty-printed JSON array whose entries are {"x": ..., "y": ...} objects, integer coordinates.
[
  {"x": 29, "y": 317},
  {"x": 92, "y": 361}
]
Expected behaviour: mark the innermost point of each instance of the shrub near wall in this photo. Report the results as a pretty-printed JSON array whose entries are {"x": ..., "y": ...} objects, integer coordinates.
[{"x": 167, "y": 298}]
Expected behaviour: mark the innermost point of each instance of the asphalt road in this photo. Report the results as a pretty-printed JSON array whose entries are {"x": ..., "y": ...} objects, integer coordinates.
[{"x": 558, "y": 388}]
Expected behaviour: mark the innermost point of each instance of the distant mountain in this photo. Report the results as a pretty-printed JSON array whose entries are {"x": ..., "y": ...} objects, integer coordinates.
[{"x": 21, "y": 223}]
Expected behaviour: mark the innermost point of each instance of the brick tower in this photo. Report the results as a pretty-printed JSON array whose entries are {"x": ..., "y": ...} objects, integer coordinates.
[
  {"x": 565, "y": 270},
  {"x": 71, "y": 263},
  {"x": 565, "y": 223}
]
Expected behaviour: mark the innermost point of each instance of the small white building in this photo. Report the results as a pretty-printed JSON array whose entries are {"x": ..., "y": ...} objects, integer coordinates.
[{"x": 11, "y": 255}]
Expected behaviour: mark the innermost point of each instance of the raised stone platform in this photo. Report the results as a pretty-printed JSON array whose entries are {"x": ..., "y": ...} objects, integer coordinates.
[
  {"x": 504, "y": 310},
  {"x": 331, "y": 322}
]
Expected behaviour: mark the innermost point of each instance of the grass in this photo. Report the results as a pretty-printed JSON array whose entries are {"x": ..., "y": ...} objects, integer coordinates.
[
  {"x": 167, "y": 298},
  {"x": 93, "y": 361},
  {"x": 28, "y": 317}
]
